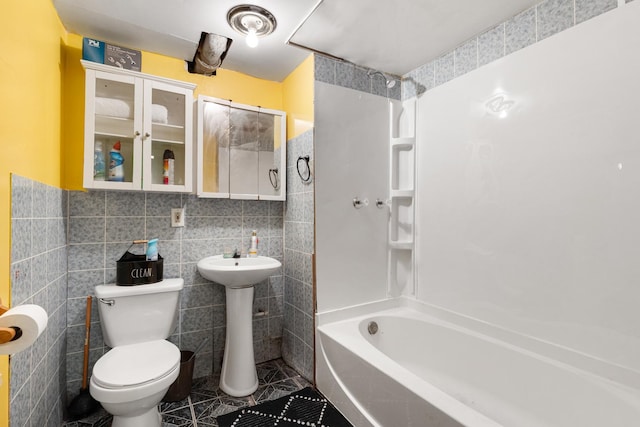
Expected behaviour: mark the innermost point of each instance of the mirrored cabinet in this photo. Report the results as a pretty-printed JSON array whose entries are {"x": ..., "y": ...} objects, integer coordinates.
[
  {"x": 241, "y": 151},
  {"x": 138, "y": 131}
]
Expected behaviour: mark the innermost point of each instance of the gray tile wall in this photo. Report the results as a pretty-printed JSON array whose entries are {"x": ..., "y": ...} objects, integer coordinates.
[
  {"x": 530, "y": 26},
  {"x": 298, "y": 344},
  {"x": 346, "y": 74},
  {"x": 39, "y": 276},
  {"x": 101, "y": 226}
]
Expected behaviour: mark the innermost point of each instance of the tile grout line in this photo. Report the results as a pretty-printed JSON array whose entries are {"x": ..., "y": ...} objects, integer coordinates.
[{"x": 192, "y": 410}]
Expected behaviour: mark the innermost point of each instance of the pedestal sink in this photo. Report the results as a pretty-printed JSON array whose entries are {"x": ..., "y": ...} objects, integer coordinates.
[{"x": 239, "y": 377}]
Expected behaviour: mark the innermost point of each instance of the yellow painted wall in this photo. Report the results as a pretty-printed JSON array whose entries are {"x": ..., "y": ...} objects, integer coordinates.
[
  {"x": 298, "y": 98},
  {"x": 31, "y": 60}
]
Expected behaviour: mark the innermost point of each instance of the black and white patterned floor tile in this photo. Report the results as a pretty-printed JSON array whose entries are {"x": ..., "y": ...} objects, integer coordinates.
[{"x": 207, "y": 401}]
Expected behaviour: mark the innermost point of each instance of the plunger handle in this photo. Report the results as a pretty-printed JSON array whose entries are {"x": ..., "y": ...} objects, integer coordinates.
[{"x": 87, "y": 324}]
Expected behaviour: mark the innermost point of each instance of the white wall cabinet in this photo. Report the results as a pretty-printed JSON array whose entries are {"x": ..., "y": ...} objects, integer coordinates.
[
  {"x": 241, "y": 151},
  {"x": 150, "y": 117}
]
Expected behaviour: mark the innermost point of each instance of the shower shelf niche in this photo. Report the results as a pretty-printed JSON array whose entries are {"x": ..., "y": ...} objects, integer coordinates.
[
  {"x": 401, "y": 194},
  {"x": 403, "y": 143},
  {"x": 406, "y": 245}
]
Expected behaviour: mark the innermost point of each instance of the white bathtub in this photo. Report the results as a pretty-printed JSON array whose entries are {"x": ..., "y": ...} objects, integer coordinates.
[{"x": 421, "y": 370}]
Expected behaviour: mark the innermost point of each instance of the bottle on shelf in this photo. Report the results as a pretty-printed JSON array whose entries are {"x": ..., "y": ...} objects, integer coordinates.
[
  {"x": 98, "y": 162},
  {"x": 168, "y": 160},
  {"x": 253, "y": 249},
  {"x": 116, "y": 163}
]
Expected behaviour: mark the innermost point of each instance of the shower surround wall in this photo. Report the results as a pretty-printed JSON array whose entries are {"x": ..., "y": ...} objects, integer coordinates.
[
  {"x": 297, "y": 345},
  {"x": 102, "y": 225},
  {"x": 39, "y": 276},
  {"x": 528, "y": 215},
  {"x": 298, "y": 339},
  {"x": 528, "y": 27},
  {"x": 351, "y": 243}
]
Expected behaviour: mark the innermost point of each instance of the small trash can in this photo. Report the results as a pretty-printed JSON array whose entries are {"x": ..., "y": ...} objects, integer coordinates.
[{"x": 181, "y": 387}]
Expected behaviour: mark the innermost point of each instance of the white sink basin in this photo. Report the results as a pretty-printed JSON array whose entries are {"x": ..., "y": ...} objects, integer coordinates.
[
  {"x": 237, "y": 272},
  {"x": 238, "y": 377}
]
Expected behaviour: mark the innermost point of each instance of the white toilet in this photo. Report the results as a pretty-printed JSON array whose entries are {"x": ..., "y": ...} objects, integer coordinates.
[{"x": 131, "y": 379}]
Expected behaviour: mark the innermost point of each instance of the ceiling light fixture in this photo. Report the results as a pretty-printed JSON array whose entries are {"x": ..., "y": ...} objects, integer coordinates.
[{"x": 252, "y": 21}]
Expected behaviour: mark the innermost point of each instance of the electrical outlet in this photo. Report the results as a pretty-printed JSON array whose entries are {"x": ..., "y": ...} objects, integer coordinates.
[{"x": 177, "y": 217}]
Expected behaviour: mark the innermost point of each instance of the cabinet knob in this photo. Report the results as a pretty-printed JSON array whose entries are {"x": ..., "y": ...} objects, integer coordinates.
[
  {"x": 146, "y": 135},
  {"x": 137, "y": 133}
]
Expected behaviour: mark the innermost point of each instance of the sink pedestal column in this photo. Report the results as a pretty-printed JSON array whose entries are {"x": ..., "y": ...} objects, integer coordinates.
[{"x": 239, "y": 377}]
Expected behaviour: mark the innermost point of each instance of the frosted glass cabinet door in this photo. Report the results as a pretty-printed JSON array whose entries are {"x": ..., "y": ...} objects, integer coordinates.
[
  {"x": 241, "y": 151},
  {"x": 271, "y": 154},
  {"x": 213, "y": 149}
]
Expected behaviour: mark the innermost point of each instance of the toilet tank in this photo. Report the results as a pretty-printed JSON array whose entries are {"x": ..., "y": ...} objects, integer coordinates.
[{"x": 135, "y": 314}]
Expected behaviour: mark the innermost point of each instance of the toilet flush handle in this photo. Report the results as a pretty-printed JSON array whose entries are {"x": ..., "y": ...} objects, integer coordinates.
[{"x": 107, "y": 301}]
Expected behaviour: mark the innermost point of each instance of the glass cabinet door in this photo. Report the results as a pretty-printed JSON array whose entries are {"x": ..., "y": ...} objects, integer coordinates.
[
  {"x": 112, "y": 131},
  {"x": 166, "y": 145}
]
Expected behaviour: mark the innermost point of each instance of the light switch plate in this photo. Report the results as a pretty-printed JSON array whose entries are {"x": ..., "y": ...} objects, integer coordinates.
[{"x": 177, "y": 217}]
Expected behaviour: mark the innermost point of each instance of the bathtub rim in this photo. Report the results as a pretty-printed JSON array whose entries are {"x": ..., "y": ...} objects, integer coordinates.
[
  {"x": 442, "y": 401},
  {"x": 590, "y": 365}
]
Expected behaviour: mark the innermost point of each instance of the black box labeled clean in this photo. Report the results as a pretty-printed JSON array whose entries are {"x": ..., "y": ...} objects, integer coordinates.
[{"x": 132, "y": 269}]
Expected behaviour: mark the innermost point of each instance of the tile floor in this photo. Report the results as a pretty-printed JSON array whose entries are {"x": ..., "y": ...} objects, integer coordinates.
[{"x": 207, "y": 401}]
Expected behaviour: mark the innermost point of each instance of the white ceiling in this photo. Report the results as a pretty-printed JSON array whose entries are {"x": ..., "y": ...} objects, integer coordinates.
[{"x": 395, "y": 36}]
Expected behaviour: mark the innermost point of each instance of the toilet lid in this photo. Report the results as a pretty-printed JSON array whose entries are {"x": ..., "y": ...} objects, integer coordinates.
[{"x": 136, "y": 364}]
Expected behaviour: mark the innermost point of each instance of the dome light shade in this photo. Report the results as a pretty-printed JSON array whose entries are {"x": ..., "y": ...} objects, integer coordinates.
[{"x": 252, "y": 21}]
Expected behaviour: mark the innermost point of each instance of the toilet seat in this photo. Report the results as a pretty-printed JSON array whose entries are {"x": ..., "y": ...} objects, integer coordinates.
[{"x": 136, "y": 364}]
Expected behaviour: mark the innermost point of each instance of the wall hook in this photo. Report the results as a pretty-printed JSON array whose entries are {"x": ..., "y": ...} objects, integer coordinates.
[
  {"x": 305, "y": 159},
  {"x": 273, "y": 178}
]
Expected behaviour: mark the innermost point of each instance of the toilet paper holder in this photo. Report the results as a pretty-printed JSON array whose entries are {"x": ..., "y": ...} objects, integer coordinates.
[
  {"x": 11, "y": 333},
  {"x": 21, "y": 326}
]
